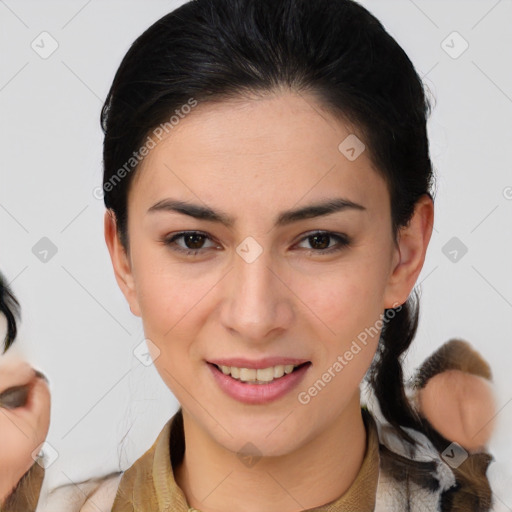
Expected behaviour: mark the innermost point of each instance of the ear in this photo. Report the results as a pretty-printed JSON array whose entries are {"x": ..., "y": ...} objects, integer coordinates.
[
  {"x": 412, "y": 243},
  {"x": 120, "y": 262}
]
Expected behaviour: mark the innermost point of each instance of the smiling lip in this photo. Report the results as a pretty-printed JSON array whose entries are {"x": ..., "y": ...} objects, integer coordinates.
[
  {"x": 266, "y": 362},
  {"x": 255, "y": 394}
]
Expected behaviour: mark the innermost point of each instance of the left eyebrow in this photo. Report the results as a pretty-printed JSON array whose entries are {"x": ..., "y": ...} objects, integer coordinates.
[{"x": 327, "y": 207}]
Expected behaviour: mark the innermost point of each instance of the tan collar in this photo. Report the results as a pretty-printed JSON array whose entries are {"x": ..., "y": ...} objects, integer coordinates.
[
  {"x": 26, "y": 495},
  {"x": 149, "y": 484}
]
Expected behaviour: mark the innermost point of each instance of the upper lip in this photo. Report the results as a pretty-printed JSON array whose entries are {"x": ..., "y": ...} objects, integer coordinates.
[{"x": 266, "y": 362}]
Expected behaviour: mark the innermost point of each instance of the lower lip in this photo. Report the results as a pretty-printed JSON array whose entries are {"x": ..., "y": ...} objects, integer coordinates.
[{"x": 258, "y": 393}]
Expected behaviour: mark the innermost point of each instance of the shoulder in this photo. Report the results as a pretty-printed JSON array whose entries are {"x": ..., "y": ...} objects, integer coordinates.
[
  {"x": 112, "y": 491},
  {"x": 94, "y": 495},
  {"x": 102, "y": 497}
]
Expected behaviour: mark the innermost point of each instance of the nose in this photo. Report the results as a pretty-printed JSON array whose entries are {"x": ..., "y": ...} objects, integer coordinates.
[{"x": 258, "y": 305}]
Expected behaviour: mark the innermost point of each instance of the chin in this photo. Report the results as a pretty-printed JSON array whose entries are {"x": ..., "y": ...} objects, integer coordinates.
[{"x": 261, "y": 438}]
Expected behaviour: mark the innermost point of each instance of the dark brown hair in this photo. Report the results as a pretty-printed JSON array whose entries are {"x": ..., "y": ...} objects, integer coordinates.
[{"x": 10, "y": 309}]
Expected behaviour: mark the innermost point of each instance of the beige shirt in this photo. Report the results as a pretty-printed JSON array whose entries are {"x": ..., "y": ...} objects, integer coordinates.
[
  {"x": 149, "y": 484},
  {"x": 26, "y": 497}
]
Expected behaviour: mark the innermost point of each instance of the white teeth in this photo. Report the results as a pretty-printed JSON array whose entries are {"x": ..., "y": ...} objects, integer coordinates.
[
  {"x": 258, "y": 376},
  {"x": 265, "y": 375},
  {"x": 278, "y": 371},
  {"x": 247, "y": 374}
]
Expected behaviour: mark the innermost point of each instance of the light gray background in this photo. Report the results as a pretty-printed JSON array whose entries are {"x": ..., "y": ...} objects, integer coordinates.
[{"x": 107, "y": 406}]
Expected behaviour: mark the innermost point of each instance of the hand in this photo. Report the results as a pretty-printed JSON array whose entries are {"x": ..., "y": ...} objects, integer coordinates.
[{"x": 24, "y": 419}]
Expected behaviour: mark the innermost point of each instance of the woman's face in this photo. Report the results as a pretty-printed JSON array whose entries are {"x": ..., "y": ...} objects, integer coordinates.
[{"x": 263, "y": 285}]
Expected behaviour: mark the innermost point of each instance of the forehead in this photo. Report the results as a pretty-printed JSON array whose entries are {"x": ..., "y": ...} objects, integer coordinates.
[{"x": 284, "y": 144}]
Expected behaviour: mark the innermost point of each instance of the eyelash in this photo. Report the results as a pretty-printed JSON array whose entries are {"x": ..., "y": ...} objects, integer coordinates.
[{"x": 343, "y": 241}]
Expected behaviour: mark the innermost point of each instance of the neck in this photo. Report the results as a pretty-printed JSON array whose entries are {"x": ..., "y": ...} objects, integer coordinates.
[{"x": 313, "y": 475}]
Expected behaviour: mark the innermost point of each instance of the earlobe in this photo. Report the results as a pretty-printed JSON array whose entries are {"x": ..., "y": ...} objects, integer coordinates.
[
  {"x": 120, "y": 262},
  {"x": 413, "y": 240}
]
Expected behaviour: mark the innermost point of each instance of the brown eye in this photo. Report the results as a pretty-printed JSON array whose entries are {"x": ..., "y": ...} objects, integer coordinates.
[
  {"x": 195, "y": 240},
  {"x": 14, "y": 397},
  {"x": 192, "y": 242},
  {"x": 320, "y": 241}
]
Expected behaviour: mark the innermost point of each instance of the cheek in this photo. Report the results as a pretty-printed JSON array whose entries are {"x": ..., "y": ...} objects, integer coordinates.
[
  {"x": 169, "y": 308},
  {"x": 165, "y": 300},
  {"x": 172, "y": 298},
  {"x": 162, "y": 289},
  {"x": 349, "y": 298}
]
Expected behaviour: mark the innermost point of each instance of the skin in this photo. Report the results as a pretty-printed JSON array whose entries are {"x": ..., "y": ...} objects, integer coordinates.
[
  {"x": 24, "y": 428},
  {"x": 252, "y": 159},
  {"x": 461, "y": 407}
]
